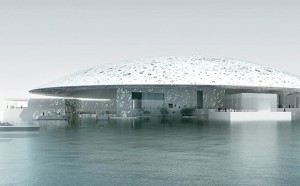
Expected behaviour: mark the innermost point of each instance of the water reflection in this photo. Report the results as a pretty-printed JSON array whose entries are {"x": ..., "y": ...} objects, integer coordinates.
[{"x": 156, "y": 151}]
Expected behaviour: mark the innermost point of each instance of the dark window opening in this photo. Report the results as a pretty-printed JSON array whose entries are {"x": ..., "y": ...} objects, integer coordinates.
[
  {"x": 200, "y": 99},
  {"x": 146, "y": 100},
  {"x": 136, "y": 100}
]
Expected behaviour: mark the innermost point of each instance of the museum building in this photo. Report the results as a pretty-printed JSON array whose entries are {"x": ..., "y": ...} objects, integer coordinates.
[{"x": 204, "y": 85}]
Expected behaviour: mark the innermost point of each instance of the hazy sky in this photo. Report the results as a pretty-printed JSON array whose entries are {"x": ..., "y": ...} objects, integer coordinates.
[{"x": 43, "y": 40}]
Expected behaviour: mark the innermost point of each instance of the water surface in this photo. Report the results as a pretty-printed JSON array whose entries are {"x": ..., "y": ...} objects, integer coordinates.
[{"x": 152, "y": 152}]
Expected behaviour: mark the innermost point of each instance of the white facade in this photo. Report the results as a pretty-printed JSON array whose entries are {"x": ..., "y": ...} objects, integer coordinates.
[
  {"x": 250, "y": 116},
  {"x": 255, "y": 102}
]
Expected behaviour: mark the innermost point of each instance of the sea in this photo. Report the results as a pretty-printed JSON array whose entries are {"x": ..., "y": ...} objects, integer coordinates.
[{"x": 152, "y": 151}]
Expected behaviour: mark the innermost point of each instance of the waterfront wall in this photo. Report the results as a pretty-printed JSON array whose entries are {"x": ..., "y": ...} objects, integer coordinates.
[{"x": 179, "y": 97}]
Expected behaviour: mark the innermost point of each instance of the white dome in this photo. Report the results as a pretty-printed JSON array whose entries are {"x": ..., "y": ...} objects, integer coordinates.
[{"x": 181, "y": 71}]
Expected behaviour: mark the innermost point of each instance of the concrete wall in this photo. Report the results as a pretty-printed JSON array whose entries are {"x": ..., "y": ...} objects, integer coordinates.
[
  {"x": 36, "y": 107},
  {"x": 180, "y": 97},
  {"x": 99, "y": 106}
]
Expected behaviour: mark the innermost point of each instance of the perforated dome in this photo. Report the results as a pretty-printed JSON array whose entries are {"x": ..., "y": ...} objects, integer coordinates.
[{"x": 180, "y": 71}]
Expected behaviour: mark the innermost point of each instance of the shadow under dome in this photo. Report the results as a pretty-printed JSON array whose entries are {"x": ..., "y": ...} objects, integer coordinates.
[
  {"x": 96, "y": 92},
  {"x": 110, "y": 91}
]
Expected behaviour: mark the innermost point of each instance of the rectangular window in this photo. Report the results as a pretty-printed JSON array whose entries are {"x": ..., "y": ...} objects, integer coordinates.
[
  {"x": 147, "y": 100},
  {"x": 136, "y": 100},
  {"x": 200, "y": 99},
  {"x": 137, "y": 95}
]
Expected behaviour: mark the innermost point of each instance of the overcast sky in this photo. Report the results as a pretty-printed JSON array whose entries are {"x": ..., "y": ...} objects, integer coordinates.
[{"x": 43, "y": 40}]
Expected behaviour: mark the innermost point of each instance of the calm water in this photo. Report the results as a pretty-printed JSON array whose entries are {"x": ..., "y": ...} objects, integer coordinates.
[{"x": 153, "y": 152}]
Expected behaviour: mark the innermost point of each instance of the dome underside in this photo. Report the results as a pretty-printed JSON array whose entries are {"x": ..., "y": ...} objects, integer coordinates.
[{"x": 181, "y": 71}]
